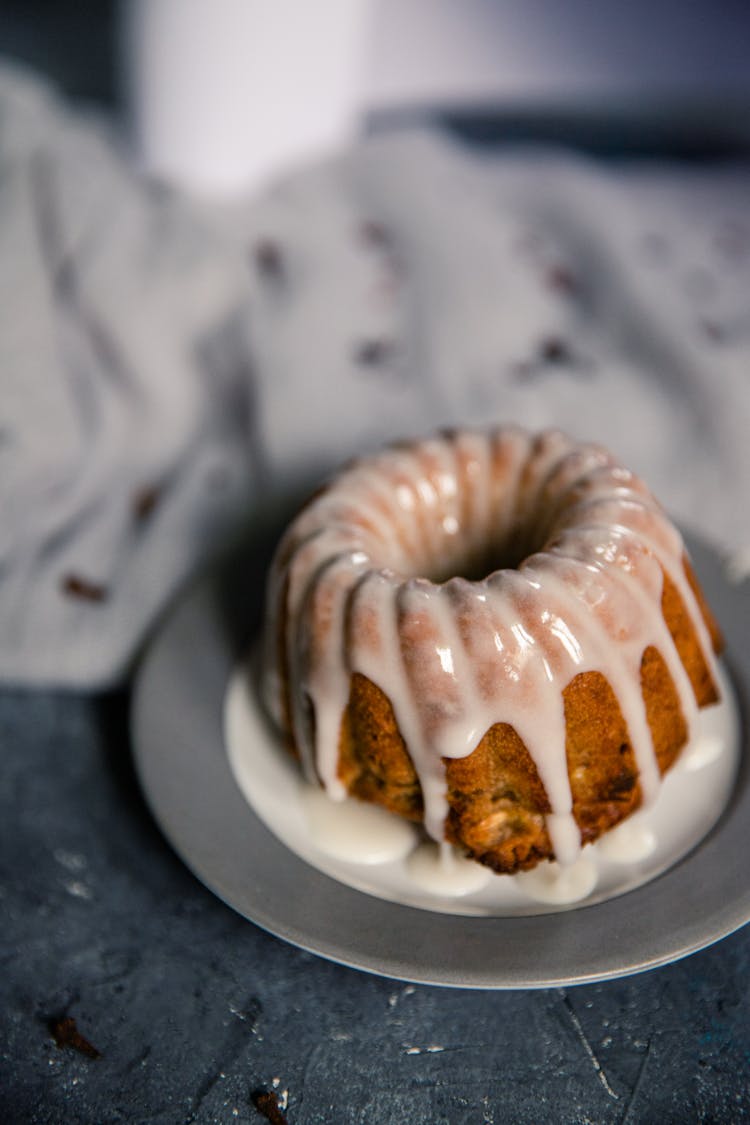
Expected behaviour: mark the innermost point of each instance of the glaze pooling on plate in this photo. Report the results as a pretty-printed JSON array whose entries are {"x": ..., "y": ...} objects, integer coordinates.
[
  {"x": 184, "y": 769},
  {"x": 589, "y": 550},
  {"x": 385, "y": 856}
]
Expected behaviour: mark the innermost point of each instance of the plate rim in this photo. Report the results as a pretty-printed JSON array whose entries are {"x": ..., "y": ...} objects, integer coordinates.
[{"x": 198, "y": 806}]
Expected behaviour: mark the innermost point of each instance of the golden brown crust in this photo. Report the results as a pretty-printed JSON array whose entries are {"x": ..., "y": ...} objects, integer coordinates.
[
  {"x": 717, "y": 640},
  {"x": 497, "y": 803},
  {"x": 686, "y": 642},
  {"x": 374, "y": 763},
  {"x": 601, "y": 763},
  {"x": 669, "y": 730},
  {"x": 283, "y": 667}
]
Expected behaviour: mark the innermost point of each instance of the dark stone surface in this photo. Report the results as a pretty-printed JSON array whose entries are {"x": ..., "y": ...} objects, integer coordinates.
[{"x": 193, "y": 1009}]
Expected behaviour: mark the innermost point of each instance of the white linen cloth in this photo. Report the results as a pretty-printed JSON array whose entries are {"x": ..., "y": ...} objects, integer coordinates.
[{"x": 164, "y": 366}]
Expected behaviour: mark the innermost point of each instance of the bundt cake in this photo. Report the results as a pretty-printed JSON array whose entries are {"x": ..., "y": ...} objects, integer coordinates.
[{"x": 493, "y": 633}]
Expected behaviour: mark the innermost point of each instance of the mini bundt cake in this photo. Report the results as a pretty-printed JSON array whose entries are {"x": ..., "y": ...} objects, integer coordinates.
[{"x": 493, "y": 633}]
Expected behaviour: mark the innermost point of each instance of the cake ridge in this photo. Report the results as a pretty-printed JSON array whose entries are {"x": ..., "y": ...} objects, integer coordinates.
[{"x": 339, "y": 608}]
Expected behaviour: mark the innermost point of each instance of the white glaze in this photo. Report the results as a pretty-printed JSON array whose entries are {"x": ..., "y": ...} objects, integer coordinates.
[
  {"x": 446, "y": 874},
  {"x": 688, "y": 804},
  {"x": 705, "y": 750},
  {"x": 553, "y": 883},
  {"x": 456, "y": 657},
  {"x": 631, "y": 841},
  {"x": 353, "y": 832}
]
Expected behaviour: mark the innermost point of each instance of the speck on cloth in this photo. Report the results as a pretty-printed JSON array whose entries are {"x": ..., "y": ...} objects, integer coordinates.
[{"x": 164, "y": 365}]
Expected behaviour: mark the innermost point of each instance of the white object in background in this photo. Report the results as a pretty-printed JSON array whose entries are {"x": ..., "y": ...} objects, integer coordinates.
[{"x": 224, "y": 94}]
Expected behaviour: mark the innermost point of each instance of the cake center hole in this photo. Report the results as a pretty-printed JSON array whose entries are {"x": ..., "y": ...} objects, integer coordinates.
[{"x": 458, "y": 559}]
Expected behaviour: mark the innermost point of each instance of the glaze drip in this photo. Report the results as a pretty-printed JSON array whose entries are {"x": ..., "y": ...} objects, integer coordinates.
[{"x": 456, "y": 657}]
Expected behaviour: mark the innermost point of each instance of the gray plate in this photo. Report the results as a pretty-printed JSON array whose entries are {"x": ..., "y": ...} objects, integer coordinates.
[{"x": 184, "y": 771}]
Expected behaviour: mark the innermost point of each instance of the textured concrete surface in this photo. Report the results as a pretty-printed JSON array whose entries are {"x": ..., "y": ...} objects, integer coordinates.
[{"x": 192, "y": 1008}]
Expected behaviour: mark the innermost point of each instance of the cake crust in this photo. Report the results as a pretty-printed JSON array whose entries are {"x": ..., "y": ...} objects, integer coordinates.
[{"x": 402, "y": 684}]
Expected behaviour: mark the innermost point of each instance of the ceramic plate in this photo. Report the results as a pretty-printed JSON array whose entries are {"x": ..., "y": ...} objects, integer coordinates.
[{"x": 177, "y": 727}]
